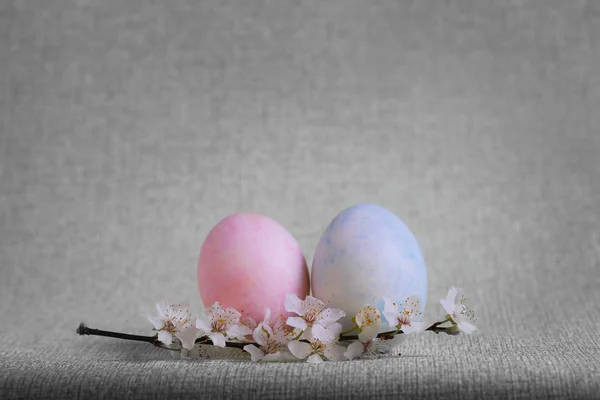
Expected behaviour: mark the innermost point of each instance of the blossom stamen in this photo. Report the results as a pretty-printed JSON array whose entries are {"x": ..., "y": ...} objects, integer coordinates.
[{"x": 461, "y": 315}]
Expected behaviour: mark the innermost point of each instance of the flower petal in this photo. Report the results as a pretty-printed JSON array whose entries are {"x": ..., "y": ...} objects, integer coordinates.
[
  {"x": 323, "y": 334},
  {"x": 164, "y": 309},
  {"x": 466, "y": 326},
  {"x": 281, "y": 338},
  {"x": 226, "y": 318},
  {"x": 232, "y": 315},
  {"x": 355, "y": 350},
  {"x": 238, "y": 331},
  {"x": 256, "y": 354},
  {"x": 181, "y": 316},
  {"x": 280, "y": 329},
  {"x": 312, "y": 305},
  {"x": 218, "y": 339},
  {"x": 327, "y": 335},
  {"x": 261, "y": 334},
  {"x": 369, "y": 333},
  {"x": 267, "y": 320},
  {"x": 187, "y": 337},
  {"x": 416, "y": 327},
  {"x": 464, "y": 313},
  {"x": 300, "y": 349},
  {"x": 329, "y": 316},
  {"x": 452, "y": 293},
  {"x": 314, "y": 359},
  {"x": 293, "y": 304},
  {"x": 448, "y": 306},
  {"x": 448, "y": 302},
  {"x": 165, "y": 337},
  {"x": 367, "y": 315},
  {"x": 297, "y": 322},
  {"x": 213, "y": 310},
  {"x": 334, "y": 352},
  {"x": 391, "y": 312},
  {"x": 307, "y": 335},
  {"x": 249, "y": 322},
  {"x": 204, "y": 326},
  {"x": 158, "y": 323}
]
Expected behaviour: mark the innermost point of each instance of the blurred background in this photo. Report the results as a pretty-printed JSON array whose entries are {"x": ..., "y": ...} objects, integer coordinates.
[{"x": 130, "y": 128}]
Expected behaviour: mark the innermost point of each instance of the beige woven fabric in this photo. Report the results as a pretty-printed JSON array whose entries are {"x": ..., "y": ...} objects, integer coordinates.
[{"x": 129, "y": 128}]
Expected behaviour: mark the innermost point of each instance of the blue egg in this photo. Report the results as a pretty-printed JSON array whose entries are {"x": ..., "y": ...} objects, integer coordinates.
[{"x": 365, "y": 255}]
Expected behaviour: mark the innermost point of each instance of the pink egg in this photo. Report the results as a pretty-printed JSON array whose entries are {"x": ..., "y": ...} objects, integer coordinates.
[{"x": 250, "y": 262}]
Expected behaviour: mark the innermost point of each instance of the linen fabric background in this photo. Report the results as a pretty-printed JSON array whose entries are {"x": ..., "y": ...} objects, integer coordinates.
[{"x": 130, "y": 128}]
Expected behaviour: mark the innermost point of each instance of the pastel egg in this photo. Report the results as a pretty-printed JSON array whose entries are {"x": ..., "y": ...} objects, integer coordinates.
[
  {"x": 250, "y": 262},
  {"x": 365, "y": 255}
]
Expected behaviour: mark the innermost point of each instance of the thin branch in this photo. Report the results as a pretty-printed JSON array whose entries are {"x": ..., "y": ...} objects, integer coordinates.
[
  {"x": 82, "y": 329},
  {"x": 433, "y": 328}
]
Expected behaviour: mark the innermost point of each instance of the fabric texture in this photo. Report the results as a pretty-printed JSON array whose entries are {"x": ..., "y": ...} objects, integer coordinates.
[{"x": 128, "y": 129}]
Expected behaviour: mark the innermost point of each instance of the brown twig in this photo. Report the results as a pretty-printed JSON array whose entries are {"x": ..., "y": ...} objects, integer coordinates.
[{"x": 82, "y": 329}]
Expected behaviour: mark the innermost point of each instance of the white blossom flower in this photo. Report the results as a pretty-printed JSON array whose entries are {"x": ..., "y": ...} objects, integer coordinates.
[
  {"x": 368, "y": 320},
  {"x": 402, "y": 317},
  {"x": 460, "y": 313},
  {"x": 311, "y": 312},
  {"x": 323, "y": 342},
  {"x": 174, "y": 319},
  {"x": 271, "y": 341},
  {"x": 222, "y": 324}
]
